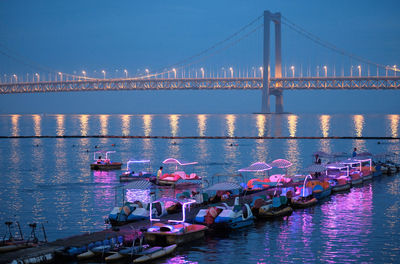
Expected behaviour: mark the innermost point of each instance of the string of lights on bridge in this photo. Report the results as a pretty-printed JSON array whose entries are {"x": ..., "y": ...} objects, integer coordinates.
[{"x": 187, "y": 68}]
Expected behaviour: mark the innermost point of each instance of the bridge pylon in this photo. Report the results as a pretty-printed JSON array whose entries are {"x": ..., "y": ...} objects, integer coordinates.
[{"x": 265, "y": 103}]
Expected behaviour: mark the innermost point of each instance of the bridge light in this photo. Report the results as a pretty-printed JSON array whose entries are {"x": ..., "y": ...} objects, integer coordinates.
[
  {"x": 292, "y": 68},
  {"x": 15, "y": 77},
  {"x": 126, "y": 73},
  {"x": 38, "y": 76},
  {"x": 202, "y": 72},
  {"x": 231, "y": 70},
  {"x": 84, "y": 74},
  {"x": 104, "y": 74},
  {"x": 395, "y": 69},
  {"x": 326, "y": 71},
  {"x": 359, "y": 70},
  {"x": 60, "y": 73},
  {"x": 261, "y": 72},
  {"x": 174, "y": 70}
]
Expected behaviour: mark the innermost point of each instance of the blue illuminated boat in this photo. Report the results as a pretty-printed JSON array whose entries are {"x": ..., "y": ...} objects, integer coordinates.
[{"x": 131, "y": 175}]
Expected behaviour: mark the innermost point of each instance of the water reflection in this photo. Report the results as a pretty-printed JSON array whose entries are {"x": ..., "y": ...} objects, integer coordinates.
[
  {"x": 261, "y": 151},
  {"x": 202, "y": 123},
  {"x": 325, "y": 125},
  {"x": 84, "y": 124},
  {"x": 60, "y": 125},
  {"x": 133, "y": 195},
  {"x": 125, "y": 119},
  {"x": 230, "y": 125},
  {"x": 14, "y": 123},
  {"x": 358, "y": 121},
  {"x": 292, "y": 125},
  {"x": 293, "y": 155},
  {"x": 202, "y": 155},
  {"x": 14, "y": 179},
  {"x": 104, "y": 124},
  {"x": 147, "y": 119},
  {"x": 104, "y": 176},
  {"x": 394, "y": 124},
  {"x": 37, "y": 124},
  {"x": 261, "y": 125},
  {"x": 174, "y": 124},
  {"x": 347, "y": 222},
  {"x": 62, "y": 202}
]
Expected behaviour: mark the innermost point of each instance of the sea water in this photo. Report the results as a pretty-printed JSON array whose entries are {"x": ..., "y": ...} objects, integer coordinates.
[{"x": 49, "y": 181}]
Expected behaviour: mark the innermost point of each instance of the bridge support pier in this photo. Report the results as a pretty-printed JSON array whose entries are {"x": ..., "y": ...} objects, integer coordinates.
[
  {"x": 278, "y": 102},
  {"x": 265, "y": 100}
]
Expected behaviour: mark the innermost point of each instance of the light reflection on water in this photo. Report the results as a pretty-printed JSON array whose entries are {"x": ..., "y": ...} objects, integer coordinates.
[
  {"x": 125, "y": 126},
  {"x": 394, "y": 125},
  {"x": 174, "y": 124},
  {"x": 60, "y": 125},
  {"x": 50, "y": 180},
  {"x": 37, "y": 124},
  {"x": 84, "y": 124},
  {"x": 202, "y": 124},
  {"x": 147, "y": 119},
  {"x": 15, "y": 127}
]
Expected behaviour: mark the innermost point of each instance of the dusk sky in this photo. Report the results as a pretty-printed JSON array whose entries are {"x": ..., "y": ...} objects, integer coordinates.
[{"x": 72, "y": 36}]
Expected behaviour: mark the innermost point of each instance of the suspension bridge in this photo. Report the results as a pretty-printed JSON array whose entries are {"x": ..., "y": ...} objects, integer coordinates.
[{"x": 268, "y": 84}]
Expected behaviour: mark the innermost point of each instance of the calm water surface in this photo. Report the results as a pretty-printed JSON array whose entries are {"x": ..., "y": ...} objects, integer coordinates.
[{"x": 49, "y": 180}]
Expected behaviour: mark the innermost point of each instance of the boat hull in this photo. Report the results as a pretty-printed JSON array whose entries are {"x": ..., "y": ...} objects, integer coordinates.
[
  {"x": 232, "y": 225},
  {"x": 323, "y": 194},
  {"x": 105, "y": 167},
  {"x": 367, "y": 177},
  {"x": 275, "y": 213},
  {"x": 356, "y": 181},
  {"x": 341, "y": 188},
  {"x": 168, "y": 238},
  {"x": 304, "y": 204},
  {"x": 158, "y": 254}
]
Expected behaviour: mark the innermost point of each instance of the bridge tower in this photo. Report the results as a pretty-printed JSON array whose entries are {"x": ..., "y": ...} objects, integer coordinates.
[{"x": 265, "y": 105}]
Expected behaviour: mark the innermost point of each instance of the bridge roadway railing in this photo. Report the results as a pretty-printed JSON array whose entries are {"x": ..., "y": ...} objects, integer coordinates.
[{"x": 296, "y": 83}]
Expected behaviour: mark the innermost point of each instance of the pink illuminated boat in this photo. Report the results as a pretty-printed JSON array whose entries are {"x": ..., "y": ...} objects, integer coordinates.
[
  {"x": 179, "y": 177},
  {"x": 174, "y": 231},
  {"x": 101, "y": 163}
]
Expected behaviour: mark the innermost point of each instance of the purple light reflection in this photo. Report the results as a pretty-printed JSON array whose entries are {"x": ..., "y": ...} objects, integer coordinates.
[
  {"x": 133, "y": 195},
  {"x": 347, "y": 218}
]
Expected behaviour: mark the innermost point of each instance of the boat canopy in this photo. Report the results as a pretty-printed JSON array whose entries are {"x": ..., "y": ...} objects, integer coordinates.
[
  {"x": 340, "y": 154},
  {"x": 136, "y": 162},
  {"x": 316, "y": 168},
  {"x": 280, "y": 163},
  {"x": 351, "y": 162},
  {"x": 178, "y": 162},
  {"x": 258, "y": 166},
  {"x": 102, "y": 152},
  {"x": 224, "y": 186},
  {"x": 337, "y": 166},
  {"x": 364, "y": 154}
]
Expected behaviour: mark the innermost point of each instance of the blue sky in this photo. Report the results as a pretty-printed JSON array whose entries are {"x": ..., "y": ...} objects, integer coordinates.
[{"x": 71, "y": 36}]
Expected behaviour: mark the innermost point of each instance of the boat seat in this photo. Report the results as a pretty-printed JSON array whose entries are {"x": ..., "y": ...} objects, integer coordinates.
[
  {"x": 283, "y": 199},
  {"x": 276, "y": 202}
]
